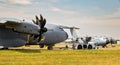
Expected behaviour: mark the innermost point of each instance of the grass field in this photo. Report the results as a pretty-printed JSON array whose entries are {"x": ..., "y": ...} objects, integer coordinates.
[{"x": 59, "y": 57}]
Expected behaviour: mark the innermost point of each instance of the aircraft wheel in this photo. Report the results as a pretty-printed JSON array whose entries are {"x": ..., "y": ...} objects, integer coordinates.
[
  {"x": 79, "y": 47},
  {"x": 85, "y": 46},
  {"x": 104, "y": 46},
  {"x": 66, "y": 46},
  {"x": 50, "y": 48},
  {"x": 89, "y": 46},
  {"x": 41, "y": 45}
]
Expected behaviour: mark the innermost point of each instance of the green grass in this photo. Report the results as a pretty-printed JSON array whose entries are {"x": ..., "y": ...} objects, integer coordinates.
[{"x": 59, "y": 57}]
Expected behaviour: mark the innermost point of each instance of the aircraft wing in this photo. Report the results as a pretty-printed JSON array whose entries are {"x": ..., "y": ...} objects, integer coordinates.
[
  {"x": 10, "y": 22},
  {"x": 67, "y": 27}
]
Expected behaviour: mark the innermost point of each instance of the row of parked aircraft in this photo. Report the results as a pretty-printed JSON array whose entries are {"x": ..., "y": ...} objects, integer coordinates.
[
  {"x": 89, "y": 42},
  {"x": 92, "y": 42},
  {"x": 16, "y": 33}
]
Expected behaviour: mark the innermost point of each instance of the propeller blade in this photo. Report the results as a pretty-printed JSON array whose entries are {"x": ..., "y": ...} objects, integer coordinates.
[
  {"x": 33, "y": 21},
  {"x": 43, "y": 23},
  {"x": 37, "y": 20},
  {"x": 41, "y": 18},
  {"x": 39, "y": 39}
]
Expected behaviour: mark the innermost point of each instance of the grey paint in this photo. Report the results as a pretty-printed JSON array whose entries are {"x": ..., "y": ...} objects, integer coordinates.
[{"x": 10, "y": 38}]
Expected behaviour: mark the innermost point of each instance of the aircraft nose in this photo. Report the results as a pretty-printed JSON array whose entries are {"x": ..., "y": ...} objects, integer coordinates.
[
  {"x": 66, "y": 35},
  {"x": 107, "y": 41}
]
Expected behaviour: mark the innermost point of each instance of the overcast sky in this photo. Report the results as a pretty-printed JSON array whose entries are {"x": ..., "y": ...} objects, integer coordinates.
[{"x": 94, "y": 17}]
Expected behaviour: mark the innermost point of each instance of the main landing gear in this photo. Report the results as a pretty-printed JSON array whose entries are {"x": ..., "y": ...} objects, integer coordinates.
[{"x": 50, "y": 47}]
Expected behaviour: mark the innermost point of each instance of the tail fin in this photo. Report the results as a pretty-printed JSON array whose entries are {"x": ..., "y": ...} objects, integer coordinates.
[{"x": 73, "y": 32}]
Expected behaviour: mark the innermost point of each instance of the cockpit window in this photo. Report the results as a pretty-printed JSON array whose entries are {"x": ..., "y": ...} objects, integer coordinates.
[{"x": 61, "y": 29}]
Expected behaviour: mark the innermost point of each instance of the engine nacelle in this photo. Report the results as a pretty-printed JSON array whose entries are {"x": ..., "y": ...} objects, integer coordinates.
[{"x": 27, "y": 28}]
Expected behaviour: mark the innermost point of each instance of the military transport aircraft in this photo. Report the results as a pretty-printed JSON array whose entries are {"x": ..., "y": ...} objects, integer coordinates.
[{"x": 15, "y": 33}]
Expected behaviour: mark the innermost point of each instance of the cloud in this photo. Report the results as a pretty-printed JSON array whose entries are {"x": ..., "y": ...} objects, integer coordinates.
[
  {"x": 54, "y": 0},
  {"x": 58, "y": 10},
  {"x": 113, "y": 15},
  {"x": 108, "y": 19},
  {"x": 23, "y": 2},
  {"x": 20, "y": 2}
]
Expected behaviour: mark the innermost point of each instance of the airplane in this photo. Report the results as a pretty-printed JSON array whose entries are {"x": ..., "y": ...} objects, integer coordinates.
[
  {"x": 16, "y": 33},
  {"x": 94, "y": 42}
]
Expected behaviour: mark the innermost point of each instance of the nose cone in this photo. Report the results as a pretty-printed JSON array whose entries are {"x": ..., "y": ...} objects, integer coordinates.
[
  {"x": 66, "y": 35},
  {"x": 107, "y": 41}
]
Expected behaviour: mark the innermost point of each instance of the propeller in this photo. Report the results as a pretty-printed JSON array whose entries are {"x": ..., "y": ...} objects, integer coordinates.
[
  {"x": 86, "y": 40},
  {"x": 107, "y": 41},
  {"x": 41, "y": 23},
  {"x": 112, "y": 41}
]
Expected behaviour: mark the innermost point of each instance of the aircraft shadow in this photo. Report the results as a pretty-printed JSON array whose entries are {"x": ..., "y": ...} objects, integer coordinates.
[{"x": 25, "y": 50}]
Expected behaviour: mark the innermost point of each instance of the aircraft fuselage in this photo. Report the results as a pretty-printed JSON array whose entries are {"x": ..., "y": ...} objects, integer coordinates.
[{"x": 10, "y": 38}]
